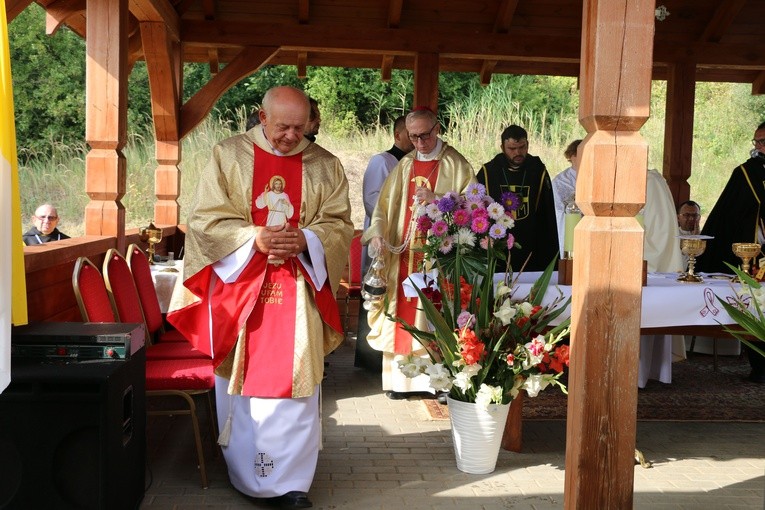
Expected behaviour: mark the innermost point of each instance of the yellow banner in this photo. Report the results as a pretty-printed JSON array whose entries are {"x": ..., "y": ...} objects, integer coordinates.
[{"x": 14, "y": 297}]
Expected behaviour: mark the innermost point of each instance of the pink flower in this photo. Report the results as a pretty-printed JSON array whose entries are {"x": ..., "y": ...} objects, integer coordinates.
[
  {"x": 510, "y": 359},
  {"x": 480, "y": 224},
  {"x": 423, "y": 224},
  {"x": 440, "y": 228},
  {"x": 537, "y": 346},
  {"x": 484, "y": 243},
  {"x": 510, "y": 241},
  {"x": 461, "y": 217}
]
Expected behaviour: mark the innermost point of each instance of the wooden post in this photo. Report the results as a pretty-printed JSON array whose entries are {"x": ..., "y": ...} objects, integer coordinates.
[
  {"x": 426, "y": 80},
  {"x": 678, "y": 129},
  {"x": 106, "y": 117},
  {"x": 615, "y": 80}
]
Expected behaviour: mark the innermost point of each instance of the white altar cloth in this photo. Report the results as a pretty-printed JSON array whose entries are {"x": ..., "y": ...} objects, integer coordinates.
[
  {"x": 167, "y": 277},
  {"x": 665, "y": 301}
]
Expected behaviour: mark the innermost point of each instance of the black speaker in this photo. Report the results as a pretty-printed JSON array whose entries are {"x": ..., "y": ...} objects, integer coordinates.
[{"x": 73, "y": 435}]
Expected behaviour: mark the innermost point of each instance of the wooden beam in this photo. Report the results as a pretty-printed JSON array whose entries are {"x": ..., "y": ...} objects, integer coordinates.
[
  {"x": 14, "y": 7},
  {"x": 615, "y": 81},
  {"x": 678, "y": 130},
  {"x": 208, "y": 8},
  {"x": 561, "y": 46},
  {"x": 200, "y": 104},
  {"x": 213, "y": 60},
  {"x": 758, "y": 85},
  {"x": 162, "y": 55},
  {"x": 157, "y": 11},
  {"x": 426, "y": 81},
  {"x": 106, "y": 117},
  {"x": 303, "y": 11},
  {"x": 487, "y": 68},
  {"x": 60, "y": 11},
  {"x": 386, "y": 67},
  {"x": 721, "y": 21},
  {"x": 302, "y": 60},
  {"x": 395, "y": 7},
  {"x": 504, "y": 17}
]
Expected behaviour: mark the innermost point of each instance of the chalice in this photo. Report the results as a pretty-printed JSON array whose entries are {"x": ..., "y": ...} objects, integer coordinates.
[
  {"x": 151, "y": 235},
  {"x": 746, "y": 252},
  {"x": 692, "y": 247}
]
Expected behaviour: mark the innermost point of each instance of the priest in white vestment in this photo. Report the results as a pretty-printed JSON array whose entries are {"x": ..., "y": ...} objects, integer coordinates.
[{"x": 261, "y": 299}]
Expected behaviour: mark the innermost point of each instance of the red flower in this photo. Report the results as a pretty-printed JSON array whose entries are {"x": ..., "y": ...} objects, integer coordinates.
[
  {"x": 433, "y": 295},
  {"x": 471, "y": 349}
]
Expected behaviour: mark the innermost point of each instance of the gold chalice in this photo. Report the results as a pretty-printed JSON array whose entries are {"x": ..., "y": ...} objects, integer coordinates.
[
  {"x": 692, "y": 248},
  {"x": 746, "y": 252},
  {"x": 151, "y": 235}
]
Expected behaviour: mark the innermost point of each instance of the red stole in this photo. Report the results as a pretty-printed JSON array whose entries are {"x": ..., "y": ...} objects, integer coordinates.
[
  {"x": 409, "y": 261},
  {"x": 263, "y": 297}
]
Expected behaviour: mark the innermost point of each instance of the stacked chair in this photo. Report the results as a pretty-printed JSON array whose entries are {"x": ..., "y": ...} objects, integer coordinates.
[
  {"x": 352, "y": 281},
  {"x": 173, "y": 368}
]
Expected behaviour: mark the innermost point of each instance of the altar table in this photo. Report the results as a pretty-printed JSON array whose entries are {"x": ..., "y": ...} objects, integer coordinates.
[{"x": 167, "y": 277}]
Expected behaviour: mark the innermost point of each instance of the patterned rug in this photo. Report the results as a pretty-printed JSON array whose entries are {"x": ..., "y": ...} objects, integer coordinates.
[{"x": 697, "y": 393}]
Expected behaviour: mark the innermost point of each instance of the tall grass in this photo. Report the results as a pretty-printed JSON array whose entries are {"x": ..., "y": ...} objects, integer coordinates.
[{"x": 726, "y": 116}]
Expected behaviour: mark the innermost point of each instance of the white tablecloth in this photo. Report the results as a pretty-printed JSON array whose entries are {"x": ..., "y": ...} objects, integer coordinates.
[
  {"x": 167, "y": 277},
  {"x": 665, "y": 301}
]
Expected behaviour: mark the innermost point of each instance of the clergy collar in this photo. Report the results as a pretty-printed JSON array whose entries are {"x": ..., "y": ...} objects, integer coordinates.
[{"x": 432, "y": 154}]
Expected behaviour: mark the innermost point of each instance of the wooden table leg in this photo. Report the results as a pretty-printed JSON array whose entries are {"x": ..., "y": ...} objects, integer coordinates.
[{"x": 512, "y": 439}]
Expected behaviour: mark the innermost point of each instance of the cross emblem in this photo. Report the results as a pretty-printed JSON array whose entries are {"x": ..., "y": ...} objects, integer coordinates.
[{"x": 264, "y": 464}]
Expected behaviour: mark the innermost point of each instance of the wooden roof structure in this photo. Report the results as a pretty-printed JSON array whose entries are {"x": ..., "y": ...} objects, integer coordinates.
[{"x": 615, "y": 47}]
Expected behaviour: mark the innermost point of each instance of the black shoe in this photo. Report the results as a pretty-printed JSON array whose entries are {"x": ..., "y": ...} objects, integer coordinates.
[
  {"x": 441, "y": 397},
  {"x": 396, "y": 395},
  {"x": 293, "y": 499}
]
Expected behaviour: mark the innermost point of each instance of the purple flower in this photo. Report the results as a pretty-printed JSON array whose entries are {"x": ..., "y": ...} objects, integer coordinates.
[
  {"x": 446, "y": 204},
  {"x": 510, "y": 241},
  {"x": 439, "y": 228},
  {"x": 497, "y": 231},
  {"x": 447, "y": 243},
  {"x": 423, "y": 224},
  {"x": 480, "y": 224},
  {"x": 475, "y": 192},
  {"x": 510, "y": 201},
  {"x": 461, "y": 217}
]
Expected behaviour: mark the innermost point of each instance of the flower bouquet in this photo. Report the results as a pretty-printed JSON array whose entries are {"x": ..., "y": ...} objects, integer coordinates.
[
  {"x": 747, "y": 311},
  {"x": 485, "y": 344}
]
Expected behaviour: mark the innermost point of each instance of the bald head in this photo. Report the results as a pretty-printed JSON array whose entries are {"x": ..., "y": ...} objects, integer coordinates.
[
  {"x": 45, "y": 218},
  {"x": 284, "y": 114}
]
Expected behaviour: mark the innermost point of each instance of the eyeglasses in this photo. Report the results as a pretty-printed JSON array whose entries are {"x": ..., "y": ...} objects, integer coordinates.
[
  {"x": 424, "y": 137},
  {"x": 49, "y": 218},
  {"x": 758, "y": 141}
]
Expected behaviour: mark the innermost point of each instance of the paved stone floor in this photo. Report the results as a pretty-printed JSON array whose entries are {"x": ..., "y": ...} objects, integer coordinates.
[{"x": 383, "y": 454}]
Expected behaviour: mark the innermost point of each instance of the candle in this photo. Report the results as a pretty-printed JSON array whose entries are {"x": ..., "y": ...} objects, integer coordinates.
[{"x": 571, "y": 219}]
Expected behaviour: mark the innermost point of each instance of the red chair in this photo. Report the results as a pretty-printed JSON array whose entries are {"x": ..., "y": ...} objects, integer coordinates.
[
  {"x": 141, "y": 271},
  {"x": 90, "y": 292},
  {"x": 353, "y": 281},
  {"x": 165, "y": 376}
]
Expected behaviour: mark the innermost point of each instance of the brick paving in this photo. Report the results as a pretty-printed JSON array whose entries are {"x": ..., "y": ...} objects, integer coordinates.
[{"x": 383, "y": 454}]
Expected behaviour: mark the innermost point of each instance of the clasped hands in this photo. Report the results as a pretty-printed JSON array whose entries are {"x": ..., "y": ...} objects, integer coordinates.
[{"x": 280, "y": 242}]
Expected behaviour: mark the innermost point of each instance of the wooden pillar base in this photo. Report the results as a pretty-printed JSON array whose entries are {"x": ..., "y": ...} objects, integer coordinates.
[{"x": 512, "y": 439}]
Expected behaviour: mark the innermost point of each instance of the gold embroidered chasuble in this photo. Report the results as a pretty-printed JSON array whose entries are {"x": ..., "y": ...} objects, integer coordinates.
[
  {"x": 454, "y": 174},
  {"x": 221, "y": 221}
]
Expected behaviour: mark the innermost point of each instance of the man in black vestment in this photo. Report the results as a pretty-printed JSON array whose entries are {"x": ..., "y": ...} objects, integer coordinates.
[
  {"x": 514, "y": 169},
  {"x": 738, "y": 217}
]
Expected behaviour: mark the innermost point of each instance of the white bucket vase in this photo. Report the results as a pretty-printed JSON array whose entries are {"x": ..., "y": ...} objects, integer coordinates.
[{"x": 477, "y": 435}]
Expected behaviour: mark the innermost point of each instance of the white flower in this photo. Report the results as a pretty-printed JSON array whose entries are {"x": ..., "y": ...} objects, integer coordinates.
[
  {"x": 502, "y": 289},
  {"x": 506, "y": 313},
  {"x": 447, "y": 243},
  {"x": 536, "y": 383},
  {"x": 496, "y": 211},
  {"x": 440, "y": 379},
  {"x": 466, "y": 237},
  {"x": 433, "y": 212},
  {"x": 506, "y": 221},
  {"x": 525, "y": 308},
  {"x": 488, "y": 394},
  {"x": 462, "y": 379}
]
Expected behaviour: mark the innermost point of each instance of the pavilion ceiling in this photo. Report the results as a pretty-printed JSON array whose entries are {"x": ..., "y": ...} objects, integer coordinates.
[{"x": 723, "y": 39}]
